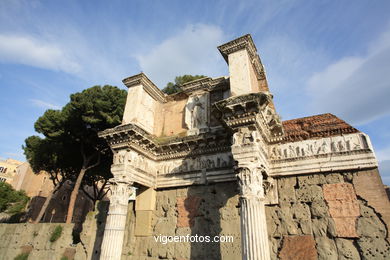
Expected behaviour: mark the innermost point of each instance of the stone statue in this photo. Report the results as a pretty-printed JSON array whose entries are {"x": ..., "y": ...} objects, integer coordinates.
[{"x": 196, "y": 110}]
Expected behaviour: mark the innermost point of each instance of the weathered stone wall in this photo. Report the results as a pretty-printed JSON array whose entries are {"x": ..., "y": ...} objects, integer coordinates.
[
  {"x": 196, "y": 210},
  {"x": 320, "y": 216},
  {"x": 330, "y": 216},
  {"x": 35, "y": 238},
  {"x": 21, "y": 238},
  {"x": 171, "y": 118}
]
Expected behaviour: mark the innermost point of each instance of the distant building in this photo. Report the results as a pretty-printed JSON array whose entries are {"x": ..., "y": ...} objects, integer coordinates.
[
  {"x": 32, "y": 183},
  {"x": 38, "y": 187},
  {"x": 8, "y": 169}
]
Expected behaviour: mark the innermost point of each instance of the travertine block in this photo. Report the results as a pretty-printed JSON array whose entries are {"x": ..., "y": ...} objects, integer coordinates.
[
  {"x": 343, "y": 207},
  {"x": 143, "y": 223},
  {"x": 298, "y": 248},
  {"x": 187, "y": 208},
  {"x": 146, "y": 200}
]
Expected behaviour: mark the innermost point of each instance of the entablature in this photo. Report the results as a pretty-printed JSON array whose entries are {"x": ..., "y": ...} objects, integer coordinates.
[{"x": 133, "y": 136}]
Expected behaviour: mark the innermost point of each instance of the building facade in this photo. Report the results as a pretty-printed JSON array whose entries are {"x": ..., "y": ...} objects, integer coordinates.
[
  {"x": 8, "y": 169},
  {"x": 216, "y": 159}
]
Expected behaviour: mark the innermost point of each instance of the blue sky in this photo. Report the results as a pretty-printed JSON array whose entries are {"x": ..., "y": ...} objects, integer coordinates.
[{"x": 320, "y": 56}]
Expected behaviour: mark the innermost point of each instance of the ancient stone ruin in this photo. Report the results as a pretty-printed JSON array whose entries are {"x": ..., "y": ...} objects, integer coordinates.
[{"x": 216, "y": 159}]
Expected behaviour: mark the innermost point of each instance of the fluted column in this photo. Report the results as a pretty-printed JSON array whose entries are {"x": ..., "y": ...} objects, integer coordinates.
[
  {"x": 254, "y": 236},
  {"x": 116, "y": 221}
]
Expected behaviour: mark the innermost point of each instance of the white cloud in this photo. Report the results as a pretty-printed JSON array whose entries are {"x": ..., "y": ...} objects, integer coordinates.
[
  {"x": 355, "y": 88},
  {"x": 383, "y": 154},
  {"x": 192, "y": 51},
  {"x": 37, "y": 53},
  {"x": 384, "y": 170},
  {"x": 43, "y": 104}
]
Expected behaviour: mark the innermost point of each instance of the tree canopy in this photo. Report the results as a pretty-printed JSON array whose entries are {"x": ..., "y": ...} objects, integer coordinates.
[
  {"x": 12, "y": 201},
  {"x": 70, "y": 147},
  {"x": 174, "y": 87}
]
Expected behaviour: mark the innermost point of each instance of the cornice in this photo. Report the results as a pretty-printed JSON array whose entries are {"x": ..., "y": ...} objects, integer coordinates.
[
  {"x": 244, "y": 42},
  {"x": 206, "y": 84},
  {"x": 134, "y": 137},
  {"x": 147, "y": 84},
  {"x": 251, "y": 110}
]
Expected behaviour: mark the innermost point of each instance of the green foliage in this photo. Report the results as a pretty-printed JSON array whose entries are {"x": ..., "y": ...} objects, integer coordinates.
[
  {"x": 22, "y": 256},
  {"x": 172, "y": 88},
  {"x": 12, "y": 201},
  {"x": 70, "y": 136},
  {"x": 56, "y": 234},
  {"x": 64, "y": 258}
]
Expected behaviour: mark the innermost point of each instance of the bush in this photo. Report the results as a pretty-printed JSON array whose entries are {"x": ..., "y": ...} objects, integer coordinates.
[
  {"x": 12, "y": 201},
  {"x": 56, "y": 234},
  {"x": 22, "y": 256},
  {"x": 64, "y": 258}
]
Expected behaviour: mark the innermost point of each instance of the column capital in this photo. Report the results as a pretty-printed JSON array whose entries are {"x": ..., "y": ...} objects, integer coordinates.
[
  {"x": 250, "y": 180},
  {"x": 120, "y": 192}
]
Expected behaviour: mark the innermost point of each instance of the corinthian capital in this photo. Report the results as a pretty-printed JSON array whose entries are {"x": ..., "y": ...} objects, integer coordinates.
[
  {"x": 250, "y": 181},
  {"x": 120, "y": 192}
]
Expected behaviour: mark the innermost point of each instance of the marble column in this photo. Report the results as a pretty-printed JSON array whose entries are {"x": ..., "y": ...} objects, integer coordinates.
[
  {"x": 116, "y": 221},
  {"x": 254, "y": 236}
]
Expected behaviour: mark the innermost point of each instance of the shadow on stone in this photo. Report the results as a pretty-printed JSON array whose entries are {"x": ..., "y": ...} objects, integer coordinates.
[{"x": 101, "y": 217}]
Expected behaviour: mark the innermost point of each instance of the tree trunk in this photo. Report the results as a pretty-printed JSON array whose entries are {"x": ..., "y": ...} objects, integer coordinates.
[
  {"x": 74, "y": 194},
  {"x": 46, "y": 204}
]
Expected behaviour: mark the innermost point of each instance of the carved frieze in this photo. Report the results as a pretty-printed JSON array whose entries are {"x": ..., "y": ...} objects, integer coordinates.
[
  {"x": 182, "y": 166},
  {"x": 315, "y": 147}
]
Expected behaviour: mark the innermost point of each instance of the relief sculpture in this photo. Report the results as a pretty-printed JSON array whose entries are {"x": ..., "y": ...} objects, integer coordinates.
[
  {"x": 196, "y": 164},
  {"x": 339, "y": 144}
]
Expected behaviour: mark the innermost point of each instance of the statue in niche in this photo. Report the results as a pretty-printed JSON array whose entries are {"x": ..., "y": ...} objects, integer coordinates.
[{"x": 196, "y": 112}]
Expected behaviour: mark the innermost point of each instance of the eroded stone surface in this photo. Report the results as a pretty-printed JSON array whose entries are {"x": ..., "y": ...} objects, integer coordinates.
[
  {"x": 373, "y": 248},
  {"x": 343, "y": 207},
  {"x": 187, "y": 209},
  {"x": 309, "y": 193},
  {"x": 326, "y": 249},
  {"x": 369, "y": 186},
  {"x": 346, "y": 249},
  {"x": 298, "y": 248}
]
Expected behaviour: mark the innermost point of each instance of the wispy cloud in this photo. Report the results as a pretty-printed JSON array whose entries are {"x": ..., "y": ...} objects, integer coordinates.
[
  {"x": 355, "y": 88},
  {"x": 192, "y": 51},
  {"x": 384, "y": 169},
  {"x": 383, "y": 154},
  {"x": 27, "y": 50},
  {"x": 43, "y": 104}
]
